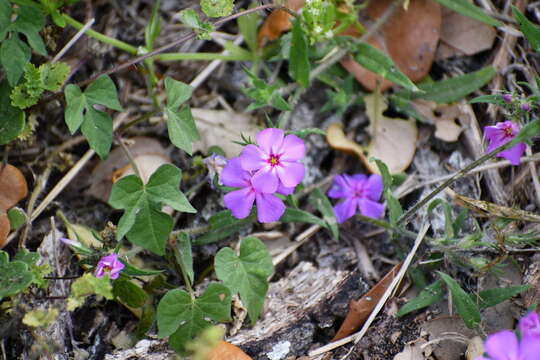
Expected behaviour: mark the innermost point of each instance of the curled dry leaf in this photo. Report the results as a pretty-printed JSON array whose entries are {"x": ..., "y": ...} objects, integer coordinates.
[
  {"x": 277, "y": 22},
  {"x": 445, "y": 118},
  {"x": 337, "y": 140},
  {"x": 475, "y": 349},
  {"x": 409, "y": 38},
  {"x": 13, "y": 188},
  {"x": 227, "y": 351},
  {"x": 411, "y": 352},
  {"x": 392, "y": 140},
  {"x": 359, "y": 310}
]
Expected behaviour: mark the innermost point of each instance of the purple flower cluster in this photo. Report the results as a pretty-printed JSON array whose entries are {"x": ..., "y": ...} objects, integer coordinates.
[
  {"x": 359, "y": 192},
  {"x": 109, "y": 265},
  {"x": 500, "y": 134},
  {"x": 505, "y": 345},
  {"x": 272, "y": 166}
]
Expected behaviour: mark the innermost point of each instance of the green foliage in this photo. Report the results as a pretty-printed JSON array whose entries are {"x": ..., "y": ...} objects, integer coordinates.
[
  {"x": 184, "y": 256},
  {"x": 264, "y": 95},
  {"x": 223, "y": 225},
  {"x": 129, "y": 293},
  {"x": 428, "y": 296},
  {"x": 15, "y": 53},
  {"x": 40, "y": 317},
  {"x": 377, "y": 62},
  {"x": 182, "y": 317},
  {"x": 246, "y": 274},
  {"x": 182, "y": 130},
  {"x": 531, "y": 32},
  {"x": 466, "y": 307},
  {"x": 88, "y": 285},
  {"x": 17, "y": 217},
  {"x": 152, "y": 30},
  {"x": 96, "y": 125},
  {"x": 11, "y": 118},
  {"x": 38, "y": 271},
  {"x": 191, "y": 19},
  {"x": 490, "y": 99},
  {"x": 247, "y": 25},
  {"x": 492, "y": 297},
  {"x": 467, "y": 8},
  {"x": 48, "y": 76},
  {"x": 299, "y": 66},
  {"x": 217, "y": 8},
  {"x": 132, "y": 270},
  {"x": 301, "y": 216},
  {"x": 319, "y": 19},
  {"x": 394, "y": 207},
  {"x": 302, "y": 133},
  {"x": 16, "y": 276},
  {"x": 143, "y": 221},
  {"x": 321, "y": 203}
]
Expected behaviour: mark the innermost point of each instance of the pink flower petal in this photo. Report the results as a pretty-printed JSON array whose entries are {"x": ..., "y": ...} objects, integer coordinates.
[
  {"x": 293, "y": 148},
  {"x": 265, "y": 180},
  {"x": 239, "y": 202},
  {"x": 529, "y": 348},
  {"x": 345, "y": 209},
  {"x": 374, "y": 187},
  {"x": 514, "y": 153},
  {"x": 358, "y": 178},
  {"x": 269, "y": 208},
  {"x": 291, "y": 173},
  {"x": 371, "y": 208},
  {"x": 285, "y": 190},
  {"x": 270, "y": 140},
  {"x": 530, "y": 324},
  {"x": 233, "y": 174},
  {"x": 341, "y": 187},
  {"x": 100, "y": 271},
  {"x": 252, "y": 158},
  {"x": 502, "y": 346}
]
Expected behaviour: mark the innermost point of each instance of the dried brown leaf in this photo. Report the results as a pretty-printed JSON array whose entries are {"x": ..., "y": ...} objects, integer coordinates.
[
  {"x": 227, "y": 351},
  {"x": 337, "y": 140},
  {"x": 277, "y": 22},
  {"x": 13, "y": 187},
  {"x": 445, "y": 118},
  {"x": 4, "y": 228},
  {"x": 359, "y": 310}
]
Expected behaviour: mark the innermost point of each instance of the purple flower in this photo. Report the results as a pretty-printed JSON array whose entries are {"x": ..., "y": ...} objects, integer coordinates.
[
  {"x": 359, "y": 191},
  {"x": 274, "y": 160},
  {"x": 500, "y": 134},
  {"x": 109, "y": 264},
  {"x": 507, "y": 98},
  {"x": 269, "y": 207},
  {"x": 504, "y": 345},
  {"x": 525, "y": 106},
  {"x": 529, "y": 325},
  {"x": 214, "y": 163}
]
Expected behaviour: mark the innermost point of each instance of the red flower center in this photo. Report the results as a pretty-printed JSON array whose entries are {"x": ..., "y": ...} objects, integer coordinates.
[
  {"x": 273, "y": 160},
  {"x": 508, "y": 131}
]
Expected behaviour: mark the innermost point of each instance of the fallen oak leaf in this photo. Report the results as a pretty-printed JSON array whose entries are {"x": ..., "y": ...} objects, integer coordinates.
[
  {"x": 359, "y": 310},
  {"x": 227, "y": 351}
]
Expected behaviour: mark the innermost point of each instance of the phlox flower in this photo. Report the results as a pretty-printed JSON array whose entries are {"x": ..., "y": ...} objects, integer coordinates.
[
  {"x": 269, "y": 206},
  {"x": 109, "y": 264},
  {"x": 500, "y": 134},
  {"x": 359, "y": 192},
  {"x": 529, "y": 325},
  {"x": 505, "y": 345},
  {"x": 274, "y": 160}
]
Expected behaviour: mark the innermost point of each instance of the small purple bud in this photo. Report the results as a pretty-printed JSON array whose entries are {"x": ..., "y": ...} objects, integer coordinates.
[
  {"x": 525, "y": 107},
  {"x": 507, "y": 98}
]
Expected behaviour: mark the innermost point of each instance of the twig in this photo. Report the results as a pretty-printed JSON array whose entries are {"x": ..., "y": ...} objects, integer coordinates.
[
  {"x": 534, "y": 176},
  {"x": 73, "y": 40}
]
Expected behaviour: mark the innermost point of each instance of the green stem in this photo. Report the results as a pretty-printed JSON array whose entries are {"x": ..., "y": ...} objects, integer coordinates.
[
  {"x": 203, "y": 56},
  {"x": 103, "y": 38}
]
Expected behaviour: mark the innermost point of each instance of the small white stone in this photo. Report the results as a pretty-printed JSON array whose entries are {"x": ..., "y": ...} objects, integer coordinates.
[{"x": 279, "y": 351}]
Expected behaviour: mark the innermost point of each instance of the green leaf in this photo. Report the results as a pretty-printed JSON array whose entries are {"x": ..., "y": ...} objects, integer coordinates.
[
  {"x": 492, "y": 297},
  {"x": 131, "y": 270},
  {"x": 182, "y": 130},
  {"x": 30, "y": 20},
  {"x": 185, "y": 258},
  {"x": 321, "y": 203},
  {"x": 17, "y": 217},
  {"x": 11, "y": 118},
  {"x": 531, "y": 32},
  {"x": 467, "y": 8},
  {"x": 223, "y": 225},
  {"x": 28, "y": 92},
  {"x": 153, "y": 28},
  {"x": 299, "y": 66},
  {"x": 76, "y": 103},
  {"x": 14, "y": 54},
  {"x": 302, "y": 133},
  {"x": 88, "y": 285},
  {"x": 394, "y": 207},
  {"x": 246, "y": 274},
  {"x": 377, "y": 62},
  {"x": 54, "y": 75},
  {"x": 190, "y": 18},
  {"x": 143, "y": 222},
  {"x": 490, "y": 99},
  {"x": 430, "y": 295},
  {"x": 181, "y": 317},
  {"x": 217, "y": 8},
  {"x": 129, "y": 293},
  {"x": 97, "y": 129},
  {"x": 103, "y": 91},
  {"x": 16, "y": 276},
  {"x": 301, "y": 216},
  {"x": 40, "y": 317},
  {"x": 466, "y": 308},
  {"x": 247, "y": 25}
]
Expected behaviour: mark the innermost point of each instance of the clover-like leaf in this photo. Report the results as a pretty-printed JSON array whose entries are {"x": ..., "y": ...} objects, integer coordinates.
[
  {"x": 182, "y": 317},
  {"x": 96, "y": 125},
  {"x": 88, "y": 285},
  {"x": 16, "y": 276},
  {"x": 246, "y": 274},
  {"x": 143, "y": 222}
]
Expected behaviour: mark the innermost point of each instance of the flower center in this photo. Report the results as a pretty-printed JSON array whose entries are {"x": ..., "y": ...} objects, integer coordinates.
[
  {"x": 107, "y": 268},
  {"x": 508, "y": 131},
  {"x": 273, "y": 160}
]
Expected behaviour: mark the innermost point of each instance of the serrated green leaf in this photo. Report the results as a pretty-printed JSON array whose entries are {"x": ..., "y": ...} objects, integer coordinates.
[
  {"x": 299, "y": 65},
  {"x": 467, "y": 309},
  {"x": 377, "y": 62},
  {"x": 301, "y": 216},
  {"x": 246, "y": 274},
  {"x": 217, "y": 8},
  {"x": 181, "y": 317},
  {"x": 467, "y": 8},
  {"x": 491, "y": 297},
  {"x": 88, "y": 285},
  {"x": 184, "y": 256},
  {"x": 54, "y": 75},
  {"x": 129, "y": 293},
  {"x": 428, "y": 296},
  {"x": 14, "y": 55},
  {"x": 223, "y": 225},
  {"x": 143, "y": 222},
  {"x": 28, "y": 92},
  {"x": 11, "y": 118},
  {"x": 321, "y": 203}
]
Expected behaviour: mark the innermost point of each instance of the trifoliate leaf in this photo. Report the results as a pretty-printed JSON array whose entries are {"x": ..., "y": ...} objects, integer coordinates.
[
  {"x": 143, "y": 222},
  {"x": 88, "y": 285},
  {"x": 11, "y": 118},
  {"x": 246, "y": 274},
  {"x": 217, "y": 8},
  {"x": 181, "y": 317}
]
